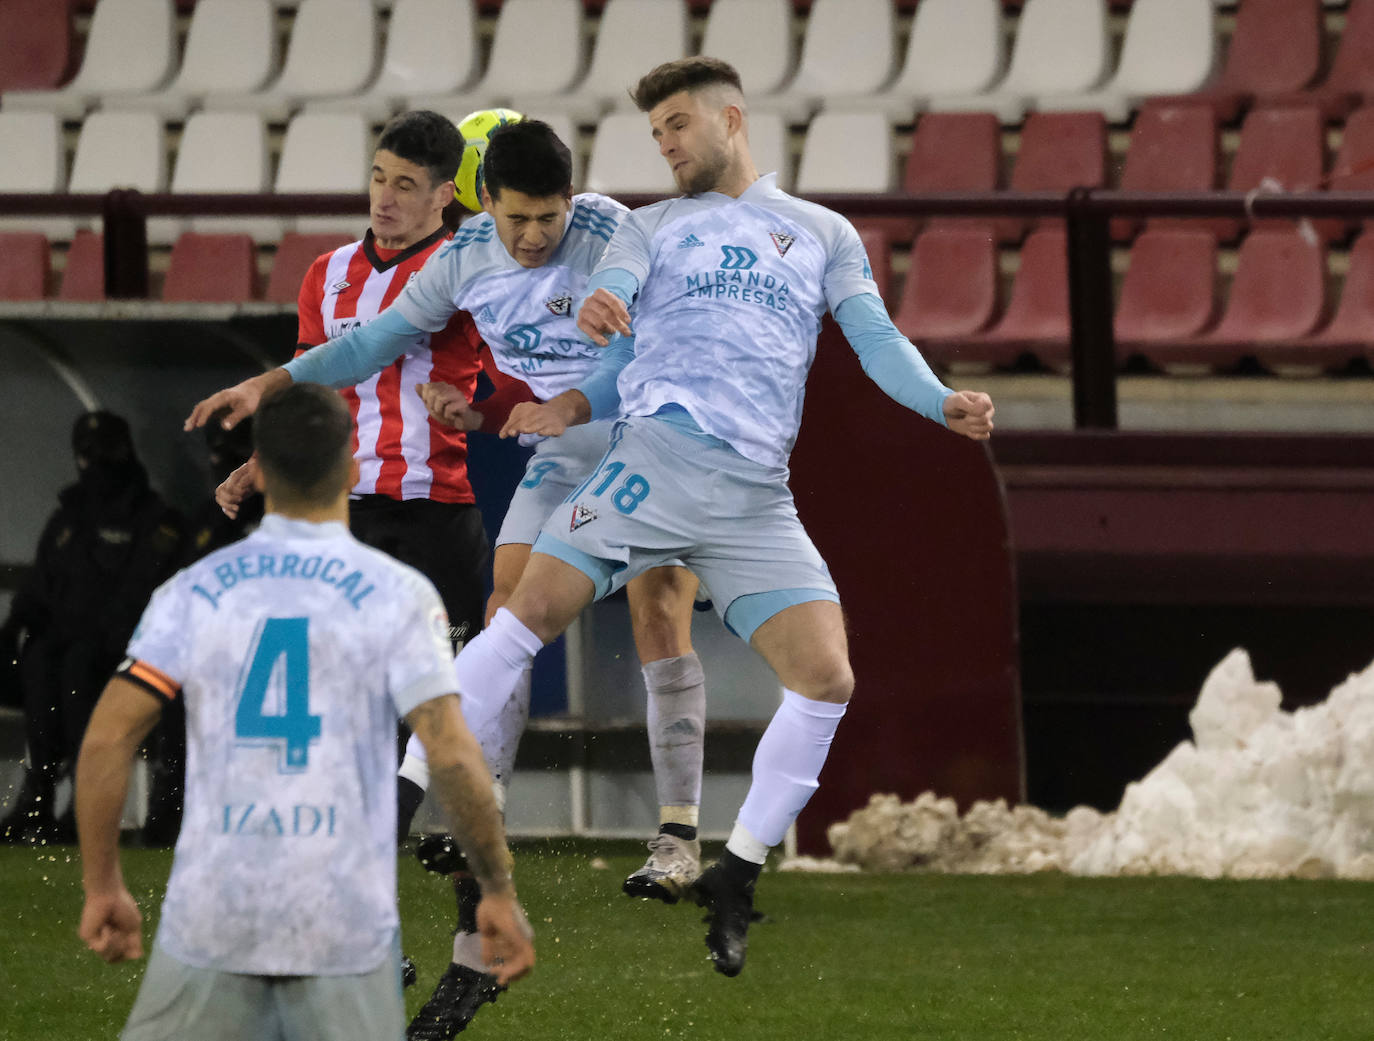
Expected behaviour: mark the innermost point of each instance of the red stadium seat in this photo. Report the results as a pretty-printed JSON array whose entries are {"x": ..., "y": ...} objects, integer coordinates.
[
  {"x": 1353, "y": 170},
  {"x": 25, "y": 264},
  {"x": 36, "y": 44},
  {"x": 1169, "y": 292},
  {"x": 1351, "y": 76},
  {"x": 1276, "y": 49},
  {"x": 211, "y": 269},
  {"x": 954, "y": 152},
  {"x": 295, "y": 253},
  {"x": 879, "y": 260},
  {"x": 83, "y": 278},
  {"x": 1278, "y": 295},
  {"x": 1350, "y": 333},
  {"x": 1172, "y": 148},
  {"x": 950, "y": 290},
  {"x": 1059, "y": 151},
  {"x": 1282, "y": 145}
]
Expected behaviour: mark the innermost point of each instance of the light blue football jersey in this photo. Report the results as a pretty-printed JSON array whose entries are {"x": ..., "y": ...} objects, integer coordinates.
[
  {"x": 525, "y": 315},
  {"x": 732, "y": 292},
  {"x": 295, "y": 650}
]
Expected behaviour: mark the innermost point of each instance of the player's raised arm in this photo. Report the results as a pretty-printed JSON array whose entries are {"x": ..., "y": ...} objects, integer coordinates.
[
  {"x": 460, "y": 780},
  {"x": 110, "y": 921}
]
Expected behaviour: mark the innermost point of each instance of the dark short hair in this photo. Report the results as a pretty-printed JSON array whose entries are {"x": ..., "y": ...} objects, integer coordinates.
[
  {"x": 303, "y": 435},
  {"x": 426, "y": 139},
  {"x": 527, "y": 157},
  {"x": 683, "y": 74}
]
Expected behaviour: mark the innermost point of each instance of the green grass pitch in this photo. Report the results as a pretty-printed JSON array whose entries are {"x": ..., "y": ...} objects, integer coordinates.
[{"x": 841, "y": 956}]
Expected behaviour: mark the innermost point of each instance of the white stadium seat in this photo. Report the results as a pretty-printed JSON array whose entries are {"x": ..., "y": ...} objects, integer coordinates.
[
  {"x": 130, "y": 49},
  {"x": 220, "y": 152},
  {"x": 326, "y": 152},
  {"x": 1062, "y": 47},
  {"x": 625, "y": 157},
  {"x": 231, "y": 48},
  {"x": 847, "y": 152},
  {"x": 35, "y": 161},
  {"x": 755, "y": 36},
  {"x": 332, "y": 52},
  {"x": 119, "y": 150},
  {"x": 633, "y": 37},
  {"x": 955, "y": 47},
  {"x": 537, "y": 49},
  {"x": 431, "y": 48},
  {"x": 769, "y": 147},
  {"x": 1169, "y": 48},
  {"x": 848, "y": 51}
]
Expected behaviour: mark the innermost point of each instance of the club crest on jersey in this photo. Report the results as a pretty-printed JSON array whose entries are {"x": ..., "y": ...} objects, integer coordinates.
[
  {"x": 339, "y": 287},
  {"x": 560, "y": 305},
  {"x": 689, "y": 242},
  {"x": 782, "y": 241},
  {"x": 581, "y": 515}
]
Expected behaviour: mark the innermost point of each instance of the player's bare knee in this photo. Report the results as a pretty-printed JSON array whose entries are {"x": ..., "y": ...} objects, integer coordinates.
[{"x": 831, "y": 681}]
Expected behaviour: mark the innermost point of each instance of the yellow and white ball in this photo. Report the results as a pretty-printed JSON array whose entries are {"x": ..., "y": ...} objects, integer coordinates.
[{"x": 477, "y": 128}]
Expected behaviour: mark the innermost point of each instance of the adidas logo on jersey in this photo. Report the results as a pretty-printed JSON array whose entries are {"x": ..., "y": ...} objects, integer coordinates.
[
  {"x": 560, "y": 305},
  {"x": 581, "y": 515},
  {"x": 782, "y": 241},
  {"x": 689, "y": 242},
  {"x": 486, "y": 314}
]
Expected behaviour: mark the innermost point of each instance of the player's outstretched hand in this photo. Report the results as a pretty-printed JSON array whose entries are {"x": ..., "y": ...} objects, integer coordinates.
[
  {"x": 449, "y": 405},
  {"x": 969, "y": 412},
  {"x": 602, "y": 314},
  {"x": 112, "y": 926},
  {"x": 507, "y": 939},
  {"x": 240, "y": 401},
  {"x": 237, "y": 487}
]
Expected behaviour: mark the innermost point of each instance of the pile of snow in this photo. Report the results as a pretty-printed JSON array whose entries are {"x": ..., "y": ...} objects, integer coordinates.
[{"x": 1257, "y": 793}]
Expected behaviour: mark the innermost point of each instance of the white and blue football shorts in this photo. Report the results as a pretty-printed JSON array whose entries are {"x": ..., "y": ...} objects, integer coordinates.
[
  {"x": 557, "y": 467},
  {"x": 663, "y": 495},
  {"x": 177, "y": 1001}
]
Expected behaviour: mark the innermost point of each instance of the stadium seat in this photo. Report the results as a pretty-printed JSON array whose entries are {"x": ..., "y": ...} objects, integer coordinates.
[
  {"x": 35, "y": 161},
  {"x": 1280, "y": 148},
  {"x": 768, "y": 145},
  {"x": 119, "y": 150},
  {"x": 1169, "y": 48},
  {"x": 1059, "y": 151},
  {"x": 211, "y": 269},
  {"x": 950, "y": 290},
  {"x": 1275, "y": 50},
  {"x": 83, "y": 276},
  {"x": 955, "y": 47},
  {"x": 625, "y": 158},
  {"x": 1350, "y": 80},
  {"x": 1169, "y": 292},
  {"x": 231, "y": 48},
  {"x": 1061, "y": 47},
  {"x": 847, "y": 152},
  {"x": 431, "y": 48},
  {"x": 37, "y": 44},
  {"x": 879, "y": 262},
  {"x": 130, "y": 49},
  {"x": 953, "y": 152},
  {"x": 536, "y": 51},
  {"x": 1353, "y": 170},
  {"x": 220, "y": 152},
  {"x": 1278, "y": 295},
  {"x": 332, "y": 53},
  {"x": 295, "y": 253},
  {"x": 1350, "y": 333},
  {"x": 755, "y": 36},
  {"x": 849, "y": 51},
  {"x": 25, "y": 265},
  {"x": 1173, "y": 148},
  {"x": 632, "y": 37},
  {"x": 326, "y": 152}
]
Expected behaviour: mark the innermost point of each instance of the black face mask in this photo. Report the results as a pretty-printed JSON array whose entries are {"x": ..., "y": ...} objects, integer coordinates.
[{"x": 107, "y": 479}]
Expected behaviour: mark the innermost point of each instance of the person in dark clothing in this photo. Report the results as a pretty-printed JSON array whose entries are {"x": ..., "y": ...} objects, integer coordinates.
[{"x": 109, "y": 544}]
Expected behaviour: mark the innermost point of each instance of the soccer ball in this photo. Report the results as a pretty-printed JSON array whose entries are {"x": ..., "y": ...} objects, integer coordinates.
[{"x": 476, "y": 128}]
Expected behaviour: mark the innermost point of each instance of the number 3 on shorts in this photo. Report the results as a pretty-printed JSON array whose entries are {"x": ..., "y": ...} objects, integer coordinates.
[
  {"x": 629, "y": 495},
  {"x": 294, "y": 727}
]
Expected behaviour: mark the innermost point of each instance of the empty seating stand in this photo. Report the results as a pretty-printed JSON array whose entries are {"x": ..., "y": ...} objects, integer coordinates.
[
  {"x": 25, "y": 265},
  {"x": 211, "y": 269},
  {"x": 37, "y": 44}
]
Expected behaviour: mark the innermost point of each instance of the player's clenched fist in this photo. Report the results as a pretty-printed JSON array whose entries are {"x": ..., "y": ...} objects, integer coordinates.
[
  {"x": 603, "y": 313},
  {"x": 449, "y": 405},
  {"x": 969, "y": 412},
  {"x": 112, "y": 926},
  {"x": 507, "y": 939}
]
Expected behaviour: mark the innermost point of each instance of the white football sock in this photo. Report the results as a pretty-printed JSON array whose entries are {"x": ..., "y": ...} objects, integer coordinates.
[
  {"x": 787, "y": 764},
  {"x": 415, "y": 763},
  {"x": 676, "y": 713},
  {"x": 500, "y": 735},
  {"x": 489, "y": 667}
]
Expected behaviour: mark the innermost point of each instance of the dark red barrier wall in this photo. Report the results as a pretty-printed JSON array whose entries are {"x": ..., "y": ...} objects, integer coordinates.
[{"x": 912, "y": 521}]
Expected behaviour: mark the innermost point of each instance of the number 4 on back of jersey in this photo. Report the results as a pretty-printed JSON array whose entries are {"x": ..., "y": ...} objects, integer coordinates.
[{"x": 292, "y": 728}]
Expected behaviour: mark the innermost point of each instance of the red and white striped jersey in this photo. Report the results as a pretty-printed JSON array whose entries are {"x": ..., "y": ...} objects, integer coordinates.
[{"x": 401, "y": 452}]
